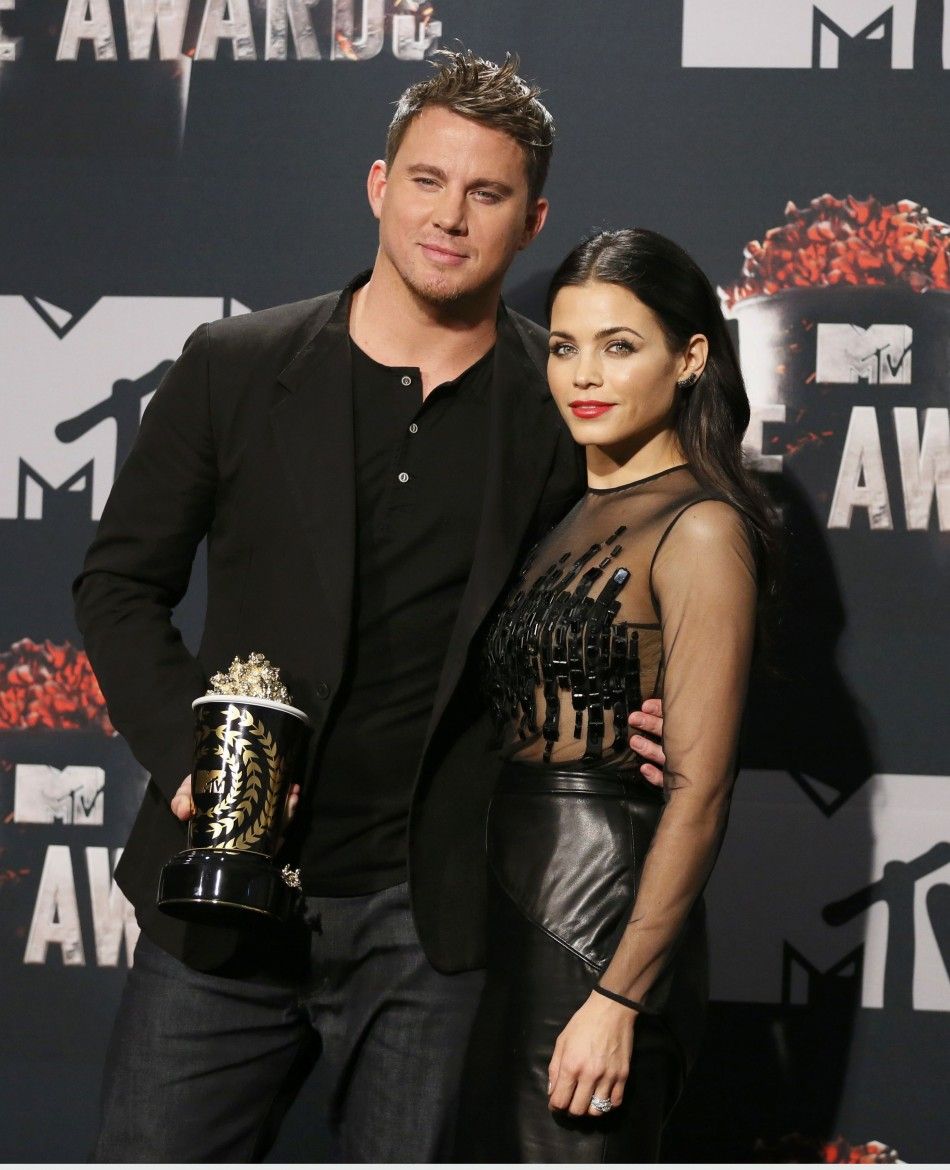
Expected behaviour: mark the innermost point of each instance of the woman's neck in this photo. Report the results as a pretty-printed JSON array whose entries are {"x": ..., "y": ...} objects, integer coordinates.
[{"x": 609, "y": 467}]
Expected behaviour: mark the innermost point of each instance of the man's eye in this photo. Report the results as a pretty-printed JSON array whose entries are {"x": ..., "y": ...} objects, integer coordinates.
[
  {"x": 488, "y": 196},
  {"x": 424, "y": 181}
]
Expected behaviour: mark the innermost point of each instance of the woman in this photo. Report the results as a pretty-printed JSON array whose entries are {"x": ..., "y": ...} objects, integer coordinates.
[{"x": 596, "y": 972}]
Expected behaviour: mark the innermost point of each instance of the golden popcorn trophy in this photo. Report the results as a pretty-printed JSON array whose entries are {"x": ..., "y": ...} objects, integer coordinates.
[{"x": 249, "y": 744}]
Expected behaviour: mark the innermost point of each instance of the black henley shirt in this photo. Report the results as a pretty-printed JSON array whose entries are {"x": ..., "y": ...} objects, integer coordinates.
[{"x": 420, "y": 472}]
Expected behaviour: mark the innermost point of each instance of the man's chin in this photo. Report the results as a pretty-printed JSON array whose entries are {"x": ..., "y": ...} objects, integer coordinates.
[
  {"x": 438, "y": 292},
  {"x": 444, "y": 289}
]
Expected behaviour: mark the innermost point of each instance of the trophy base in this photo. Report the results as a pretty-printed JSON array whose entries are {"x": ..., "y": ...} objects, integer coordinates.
[{"x": 207, "y": 886}]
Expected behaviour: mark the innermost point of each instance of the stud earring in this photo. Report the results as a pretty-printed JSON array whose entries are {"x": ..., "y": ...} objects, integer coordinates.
[{"x": 686, "y": 383}]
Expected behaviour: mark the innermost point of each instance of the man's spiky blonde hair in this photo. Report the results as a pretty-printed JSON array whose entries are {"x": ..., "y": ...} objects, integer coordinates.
[{"x": 493, "y": 95}]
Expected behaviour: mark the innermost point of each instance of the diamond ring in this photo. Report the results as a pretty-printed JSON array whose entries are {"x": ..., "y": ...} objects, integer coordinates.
[{"x": 603, "y": 1104}]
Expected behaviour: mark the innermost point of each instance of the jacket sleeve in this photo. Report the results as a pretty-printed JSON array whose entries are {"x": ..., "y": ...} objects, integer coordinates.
[
  {"x": 565, "y": 486},
  {"x": 138, "y": 566}
]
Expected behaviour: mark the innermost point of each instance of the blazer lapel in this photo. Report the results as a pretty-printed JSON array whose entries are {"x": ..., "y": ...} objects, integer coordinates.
[
  {"x": 520, "y": 449},
  {"x": 313, "y": 430}
]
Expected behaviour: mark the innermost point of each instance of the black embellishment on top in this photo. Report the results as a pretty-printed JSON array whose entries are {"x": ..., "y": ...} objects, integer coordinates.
[{"x": 559, "y": 637}]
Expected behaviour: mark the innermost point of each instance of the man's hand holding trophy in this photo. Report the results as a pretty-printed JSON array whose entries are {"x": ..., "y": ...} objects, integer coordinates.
[{"x": 249, "y": 747}]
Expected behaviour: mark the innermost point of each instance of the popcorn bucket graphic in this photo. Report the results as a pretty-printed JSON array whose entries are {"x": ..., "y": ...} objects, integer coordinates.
[
  {"x": 844, "y": 334},
  {"x": 848, "y": 390},
  {"x": 844, "y": 340}
]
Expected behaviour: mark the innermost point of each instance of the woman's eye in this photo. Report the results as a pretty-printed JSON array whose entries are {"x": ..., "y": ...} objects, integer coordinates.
[
  {"x": 621, "y": 347},
  {"x": 559, "y": 349}
]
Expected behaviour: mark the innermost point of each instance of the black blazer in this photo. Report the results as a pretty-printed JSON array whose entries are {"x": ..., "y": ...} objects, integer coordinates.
[{"x": 249, "y": 441}]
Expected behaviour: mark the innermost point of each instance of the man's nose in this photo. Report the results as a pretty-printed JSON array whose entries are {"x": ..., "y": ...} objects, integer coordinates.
[{"x": 449, "y": 212}]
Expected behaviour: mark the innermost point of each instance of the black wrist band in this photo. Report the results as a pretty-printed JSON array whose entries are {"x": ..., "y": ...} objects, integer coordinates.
[{"x": 630, "y": 1003}]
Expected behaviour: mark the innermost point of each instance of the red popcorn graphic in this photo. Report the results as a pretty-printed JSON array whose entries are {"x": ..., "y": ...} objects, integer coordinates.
[
  {"x": 45, "y": 686},
  {"x": 794, "y": 1148},
  {"x": 838, "y": 242},
  {"x": 840, "y": 1151}
]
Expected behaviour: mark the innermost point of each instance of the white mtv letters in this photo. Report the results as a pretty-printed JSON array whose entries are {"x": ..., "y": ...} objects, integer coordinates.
[
  {"x": 56, "y": 921},
  {"x": 72, "y": 391},
  {"x": 226, "y": 31},
  {"x": 879, "y": 355},
  {"x": 792, "y": 34},
  {"x": 924, "y": 470},
  {"x": 44, "y": 795},
  {"x": 862, "y": 481},
  {"x": 9, "y": 46},
  {"x": 873, "y": 880}
]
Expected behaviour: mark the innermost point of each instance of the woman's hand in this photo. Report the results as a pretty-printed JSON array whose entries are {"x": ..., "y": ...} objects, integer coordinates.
[{"x": 592, "y": 1057}]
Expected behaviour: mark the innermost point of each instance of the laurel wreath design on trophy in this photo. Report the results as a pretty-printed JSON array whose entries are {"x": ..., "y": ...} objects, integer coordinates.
[{"x": 246, "y": 813}]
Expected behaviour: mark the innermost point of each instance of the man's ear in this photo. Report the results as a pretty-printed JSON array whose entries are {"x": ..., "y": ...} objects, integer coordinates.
[
  {"x": 534, "y": 219},
  {"x": 376, "y": 186}
]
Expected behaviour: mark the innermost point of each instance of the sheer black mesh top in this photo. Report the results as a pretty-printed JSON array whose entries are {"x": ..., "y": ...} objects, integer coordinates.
[{"x": 646, "y": 590}]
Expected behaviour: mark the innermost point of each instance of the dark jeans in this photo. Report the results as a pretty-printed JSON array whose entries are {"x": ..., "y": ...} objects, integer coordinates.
[{"x": 202, "y": 1067}]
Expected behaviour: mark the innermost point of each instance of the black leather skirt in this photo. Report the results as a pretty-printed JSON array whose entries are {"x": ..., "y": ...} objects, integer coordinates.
[{"x": 565, "y": 851}]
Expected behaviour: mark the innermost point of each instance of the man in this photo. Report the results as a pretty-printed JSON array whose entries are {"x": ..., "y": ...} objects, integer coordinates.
[{"x": 368, "y": 468}]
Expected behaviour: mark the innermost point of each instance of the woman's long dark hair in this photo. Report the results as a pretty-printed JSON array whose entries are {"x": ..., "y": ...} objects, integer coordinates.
[{"x": 712, "y": 415}]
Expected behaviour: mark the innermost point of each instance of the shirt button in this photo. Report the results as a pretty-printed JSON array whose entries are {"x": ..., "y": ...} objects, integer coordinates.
[
  {"x": 403, "y": 477},
  {"x": 322, "y": 690},
  {"x": 413, "y": 428},
  {"x": 406, "y": 380}
]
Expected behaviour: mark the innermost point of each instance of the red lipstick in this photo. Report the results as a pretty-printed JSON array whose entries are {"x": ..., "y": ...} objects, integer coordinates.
[{"x": 590, "y": 409}]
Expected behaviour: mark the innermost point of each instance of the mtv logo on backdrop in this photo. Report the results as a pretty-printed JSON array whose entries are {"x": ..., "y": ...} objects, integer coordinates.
[
  {"x": 72, "y": 391},
  {"x": 44, "y": 795},
  {"x": 800, "y": 34},
  {"x": 862, "y": 895},
  {"x": 878, "y": 355}
]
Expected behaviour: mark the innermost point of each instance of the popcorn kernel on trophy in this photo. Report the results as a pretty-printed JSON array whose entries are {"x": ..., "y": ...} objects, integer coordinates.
[{"x": 249, "y": 744}]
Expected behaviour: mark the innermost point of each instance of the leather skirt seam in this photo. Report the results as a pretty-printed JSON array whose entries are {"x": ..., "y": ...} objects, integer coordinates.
[{"x": 596, "y": 968}]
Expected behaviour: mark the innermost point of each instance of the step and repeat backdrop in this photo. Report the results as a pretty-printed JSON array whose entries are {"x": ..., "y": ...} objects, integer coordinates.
[{"x": 167, "y": 162}]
